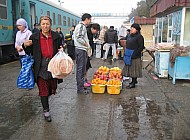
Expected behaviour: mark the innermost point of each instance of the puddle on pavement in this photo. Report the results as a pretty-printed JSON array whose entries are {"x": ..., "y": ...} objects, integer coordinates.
[
  {"x": 15, "y": 115},
  {"x": 142, "y": 118}
]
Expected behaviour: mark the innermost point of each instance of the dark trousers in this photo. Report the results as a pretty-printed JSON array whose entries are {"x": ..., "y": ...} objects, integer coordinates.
[
  {"x": 110, "y": 52},
  {"x": 45, "y": 103},
  {"x": 102, "y": 51},
  {"x": 81, "y": 61},
  {"x": 93, "y": 48}
]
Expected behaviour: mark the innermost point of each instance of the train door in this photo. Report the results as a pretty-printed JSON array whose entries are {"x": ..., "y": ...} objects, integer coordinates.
[
  {"x": 15, "y": 13},
  {"x": 33, "y": 18}
]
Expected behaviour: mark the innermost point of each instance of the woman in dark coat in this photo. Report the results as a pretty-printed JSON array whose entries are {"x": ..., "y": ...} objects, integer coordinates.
[
  {"x": 134, "y": 42},
  {"x": 70, "y": 43},
  {"x": 43, "y": 46}
]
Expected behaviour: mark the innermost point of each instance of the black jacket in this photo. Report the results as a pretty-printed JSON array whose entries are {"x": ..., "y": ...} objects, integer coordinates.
[
  {"x": 35, "y": 50},
  {"x": 90, "y": 36},
  {"x": 111, "y": 36},
  {"x": 62, "y": 38},
  {"x": 135, "y": 42},
  {"x": 35, "y": 30}
]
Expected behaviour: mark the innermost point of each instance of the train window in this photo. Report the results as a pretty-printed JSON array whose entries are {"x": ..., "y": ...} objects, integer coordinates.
[
  {"x": 73, "y": 22},
  {"x": 3, "y": 9},
  {"x": 59, "y": 19},
  {"x": 54, "y": 21},
  {"x": 48, "y": 13},
  {"x": 64, "y": 21},
  {"x": 69, "y": 22},
  {"x": 3, "y": 2},
  {"x": 76, "y": 22}
]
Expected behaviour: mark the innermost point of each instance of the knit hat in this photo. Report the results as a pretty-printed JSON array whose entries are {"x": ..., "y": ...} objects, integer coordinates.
[
  {"x": 22, "y": 22},
  {"x": 136, "y": 26}
]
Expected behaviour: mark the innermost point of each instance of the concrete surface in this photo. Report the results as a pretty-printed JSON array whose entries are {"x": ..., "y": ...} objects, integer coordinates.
[{"x": 154, "y": 110}]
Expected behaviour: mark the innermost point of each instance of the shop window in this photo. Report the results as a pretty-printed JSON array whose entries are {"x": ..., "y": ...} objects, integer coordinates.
[
  {"x": 165, "y": 29},
  {"x": 156, "y": 31},
  {"x": 186, "y": 40},
  {"x": 3, "y": 9},
  {"x": 64, "y": 21},
  {"x": 177, "y": 16},
  {"x": 170, "y": 34},
  {"x": 170, "y": 20},
  {"x": 159, "y": 29}
]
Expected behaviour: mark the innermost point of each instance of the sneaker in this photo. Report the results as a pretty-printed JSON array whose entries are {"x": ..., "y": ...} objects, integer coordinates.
[
  {"x": 86, "y": 84},
  {"x": 47, "y": 117},
  {"x": 83, "y": 92},
  {"x": 89, "y": 82},
  {"x": 114, "y": 60}
]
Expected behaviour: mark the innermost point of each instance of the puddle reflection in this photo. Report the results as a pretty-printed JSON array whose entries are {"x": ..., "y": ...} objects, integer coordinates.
[
  {"x": 142, "y": 118},
  {"x": 15, "y": 115}
]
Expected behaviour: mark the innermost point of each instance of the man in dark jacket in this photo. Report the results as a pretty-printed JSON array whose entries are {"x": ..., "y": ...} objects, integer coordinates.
[
  {"x": 35, "y": 30},
  {"x": 111, "y": 40},
  {"x": 90, "y": 38},
  {"x": 91, "y": 31}
]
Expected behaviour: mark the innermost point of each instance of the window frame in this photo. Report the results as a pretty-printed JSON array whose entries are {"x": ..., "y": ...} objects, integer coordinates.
[
  {"x": 48, "y": 13},
  {"x": 4, "y": 6},
  {"x": 64, "y": 21},
  {"x": 54, "y": 19},
  {"x": 59, "y": 19},
  {"x": 69, "y": 21}
]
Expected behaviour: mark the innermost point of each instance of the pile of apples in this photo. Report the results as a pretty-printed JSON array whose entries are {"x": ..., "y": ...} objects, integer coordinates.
[
  {"x": 104, "y": 74},
  {"x": 115, "y": 73},
  {"x": 101, "y": 73}
]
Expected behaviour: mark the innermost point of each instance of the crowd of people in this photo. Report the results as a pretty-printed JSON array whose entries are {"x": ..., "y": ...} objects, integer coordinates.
[{"x": 43, "y": 43}]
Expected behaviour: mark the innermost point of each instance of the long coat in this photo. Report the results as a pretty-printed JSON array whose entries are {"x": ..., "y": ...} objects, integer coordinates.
[{"x": 35, "y": 50}]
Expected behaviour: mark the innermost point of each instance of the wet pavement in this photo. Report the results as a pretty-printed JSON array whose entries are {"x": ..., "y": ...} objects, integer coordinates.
[{"x": 154, "y": 110}]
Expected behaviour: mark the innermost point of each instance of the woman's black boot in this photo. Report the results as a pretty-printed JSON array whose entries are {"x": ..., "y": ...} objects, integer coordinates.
[
  {"x": 132, "y": 84},
  {"x": 135, "y": 80}
]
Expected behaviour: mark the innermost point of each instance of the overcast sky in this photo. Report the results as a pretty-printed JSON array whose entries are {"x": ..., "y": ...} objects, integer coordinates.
[{"x": 99, "y": 6}]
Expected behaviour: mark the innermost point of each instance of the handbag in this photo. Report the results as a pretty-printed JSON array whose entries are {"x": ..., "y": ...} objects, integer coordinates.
[
  {"x": 26, "y": 76},
  {"x": 127, "y": 56},
  {"x": 44, "y": 73}
]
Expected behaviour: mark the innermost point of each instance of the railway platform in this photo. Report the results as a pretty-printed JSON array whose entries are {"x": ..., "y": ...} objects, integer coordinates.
[{"x": 154, "y": 109}]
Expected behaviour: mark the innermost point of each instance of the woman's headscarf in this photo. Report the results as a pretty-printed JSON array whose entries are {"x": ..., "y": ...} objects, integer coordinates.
[{"x": 22, "y": 22}]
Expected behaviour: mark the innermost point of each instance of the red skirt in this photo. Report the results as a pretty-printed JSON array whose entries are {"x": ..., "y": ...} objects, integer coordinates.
[{"x": 46, "y": 87}]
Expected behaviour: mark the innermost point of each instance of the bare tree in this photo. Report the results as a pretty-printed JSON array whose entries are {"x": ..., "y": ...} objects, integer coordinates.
[{"x": 143, "y": 9}]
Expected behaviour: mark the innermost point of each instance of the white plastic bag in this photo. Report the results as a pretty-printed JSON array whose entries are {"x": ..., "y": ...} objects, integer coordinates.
[
  {"x": 105, "y": 46},
  {"x": 60, "y": 65}
]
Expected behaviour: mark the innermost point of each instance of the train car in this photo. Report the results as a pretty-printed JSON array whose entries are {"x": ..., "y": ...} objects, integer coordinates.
[{"x": 31, "y": 11}]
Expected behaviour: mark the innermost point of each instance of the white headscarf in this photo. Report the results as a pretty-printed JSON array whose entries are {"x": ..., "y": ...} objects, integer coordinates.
[{"x": 22, "y": 22}]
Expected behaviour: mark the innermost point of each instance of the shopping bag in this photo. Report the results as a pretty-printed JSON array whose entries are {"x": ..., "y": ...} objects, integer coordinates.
[
  {"x": 60, "y": 65},
  {"x": 26, "y": 76},
  {"x": 104, "y": 46},
  {"x": 127, "y": 56}
]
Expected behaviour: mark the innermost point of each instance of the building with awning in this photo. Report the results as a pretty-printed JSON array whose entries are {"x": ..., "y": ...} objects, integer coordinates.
[
  {"x": 147, "y": 29},
  {"x": 172, "y": 21}
]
